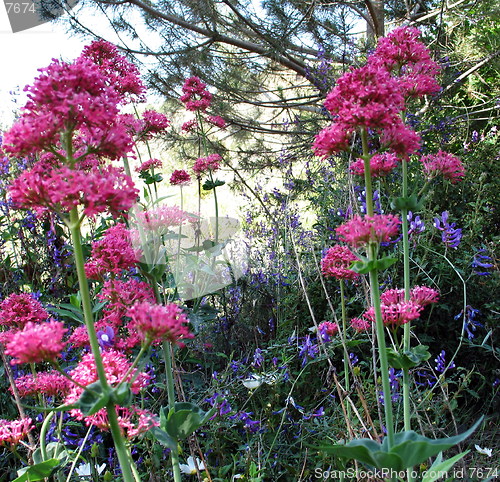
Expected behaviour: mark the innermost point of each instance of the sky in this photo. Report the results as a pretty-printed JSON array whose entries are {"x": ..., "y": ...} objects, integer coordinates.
[{"x": 22, "y": 53}]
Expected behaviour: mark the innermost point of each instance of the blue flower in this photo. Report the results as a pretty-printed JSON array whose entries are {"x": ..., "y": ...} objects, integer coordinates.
[
  {"x": 450, "y": 235},
  {"x": 481, "y": 261}
]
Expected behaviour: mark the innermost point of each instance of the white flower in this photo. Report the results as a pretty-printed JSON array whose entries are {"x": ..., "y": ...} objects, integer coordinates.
[
  {"x": 253, "y": 382},
  {"x": 83, "y": 470},
  {"x": 484, "y": 451},
  {"x": 190, "y": 467}
]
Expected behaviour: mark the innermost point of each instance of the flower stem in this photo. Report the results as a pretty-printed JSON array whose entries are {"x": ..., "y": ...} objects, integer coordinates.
[
  {"x": 346, "y": 354},
  {"x": 375, "y": 294},
  {"x": 121, "y": 449}
]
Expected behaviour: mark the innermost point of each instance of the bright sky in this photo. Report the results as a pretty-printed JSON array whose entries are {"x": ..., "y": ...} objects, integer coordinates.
[{"x": 22, "y": 53}]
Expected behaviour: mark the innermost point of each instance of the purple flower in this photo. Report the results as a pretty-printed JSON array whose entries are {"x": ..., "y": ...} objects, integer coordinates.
[
  {"x": 106, "y": 337},
  {"x": 470, "y": 322},
  {"x": 481, "y": 261},
  {"x": 308, "y": 350},
  {"x": 415, "y": 224},
  {"x": 450, "y": 235},
  {"x": 441, "y": 362},
  {"x": 258, "y": 358}
]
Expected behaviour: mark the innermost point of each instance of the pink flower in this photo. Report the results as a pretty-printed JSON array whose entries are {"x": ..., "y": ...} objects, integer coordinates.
[
  {"x": 13, "y": 431},
  {"x": 380, "y": 165},
  {"x": 61, "y": 189},
  {"x": 122, "y": 75},
  {"x": 188, "y": 126},
  {"x": 116, "y": 366},
  {"x": 359, "y": 231},
  {"x": 152, "y": 123},
  {"x": 328, "y": 329},
  {"x": 392, "y": 296},
  {"x": 395, "y": 314},
  {"x": 195, "y": 97},
  {"x": 332, "y": 139},
  {"x": 51, "y": 384},
  {"x": 18, "y": 310},
  {"x": 366, "y": 97},
  {"x": 162, "y": 217},
  {"x": 444, "y": 163},
  {"x": 133, "y": 421},
  {"x": 400, "y": 139},
  {"x": 147, "y": 165},
  {"x": 336, "y": 263},
  {"x": 423, "y": 295},
  {"x": 67, "y": 98},
  {"x": 360, "y": 325},
  {"x": 37, "y": 343},
  {"x": 180, "y": 178},
  {"x": 157, "y": 322},
  {"x": 217, "y": 121},
  {"x": 120, "y": 296},
  {"x": 112, "y": 254},
  {"x": 401, "y": 53},
  {"x": 209, "y": 163}
]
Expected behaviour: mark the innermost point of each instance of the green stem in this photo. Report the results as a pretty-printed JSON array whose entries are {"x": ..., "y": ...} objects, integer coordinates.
[
  {"x": 346, "y": 354},
  {"x": 171, "y": 405},
  {"x": 121, "y": 449},
  {"x": 216, "y": 210},
  {"x": 375, "y": 295},
  {"x": 43, "y": 434}
]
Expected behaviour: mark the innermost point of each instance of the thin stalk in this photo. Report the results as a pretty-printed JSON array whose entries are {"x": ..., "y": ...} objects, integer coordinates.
[
  {"x": 375, "y": 295},
  {"x": 43, "y": 434},
  {"x": 121, "y": 449},
  {"x": 174, "y": 453},
  {"x": 346, "y": 354},
  {"x": 216, "y": 210}
]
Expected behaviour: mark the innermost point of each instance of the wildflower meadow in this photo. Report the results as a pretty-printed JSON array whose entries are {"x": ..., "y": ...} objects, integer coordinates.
[{"x": 170, "y": 311}]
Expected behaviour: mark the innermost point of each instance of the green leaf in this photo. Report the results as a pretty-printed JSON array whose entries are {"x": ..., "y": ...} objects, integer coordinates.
[
  {"x": 408, "y": 358},
  {"x": 409, "y": 449},
  {"x": 36, "y": 472},
  {"x": 365, "y": 266},
  {"x": 439, "y": 468},
  {"x": 410, "y": 203},
  {"x": 93, "y": 398},
  {"x": 122, "y": 395},
  {"x": 209, "y": 185},
  {"x": 163, "y": 437},
  {"x": 184, "y": 419}
]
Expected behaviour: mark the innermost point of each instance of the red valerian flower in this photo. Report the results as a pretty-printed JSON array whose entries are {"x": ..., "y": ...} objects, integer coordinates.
[
  {"x": 359, "y": 231},
  {"x": 13, "y": 431},
  {"x": 37, "y": 342},
  {"x": 147, "y": 165},
  {"x": 195, "y": 97},
  {"x": 180, "y": 178},
  {"x": 157, "y": 322},
  {"x": 380, "y": 165},
  {"x": 336, "y": 263},
  {"x": 19, "y": 309},
  {"x": 209, "y": 163},
  {"x": 444, "y": 163},
  {"x": 52, "y": 384}
]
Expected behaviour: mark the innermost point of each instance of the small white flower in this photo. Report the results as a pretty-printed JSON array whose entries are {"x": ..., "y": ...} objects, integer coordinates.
[
  {"x": 254, "y": 381},
  {"x": 190, "y": 467},
  {"x": 83, "y": 470},
  {"x": 484, "y": 451}
]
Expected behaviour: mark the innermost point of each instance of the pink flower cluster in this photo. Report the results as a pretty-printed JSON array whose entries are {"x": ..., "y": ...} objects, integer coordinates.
[
  {"x": 13, "y": 431},
  {"x": 327, "y": 329},
  {"x": 133, "y": 421},
  {"x": 367, "y": 97},
  {"x": 180, "y": 178},
  {"x": 359, "y": 231},
  {"x": 217, "y": 121},
  {"x": 372, "y": 96},
  {"x": 105, "y": 189},
  {"x": 157, "y": 322},
  {"x": 51, "y": 384},
  {"x": 150, "y": 164},
  {"x": 189, "y": 125},
  {"x": 19, "y": 309},
  {"x": 209, "y": 163},
  {"x": 380, "y": 165},
  {"x": 116, "y": 366},
  {"x": 336, "y": 263},
  {"x": 162, "y": 217},
  {"x": 402, "y": 54},
  {"x": 397, "y": 311},
  {"x": 111, "y": 254},
  {"x": 151, "y": 124},
  {"x": 69, "y": 98},
  {"x": 360, "y": 324},
  {"x": 444, "y": 163},
  {"x": 36, "y": 343},
  {"x": 195, "y": 97},
  {"x": 121, "y": 74}
]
